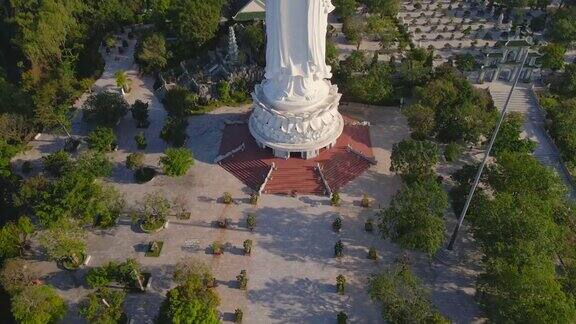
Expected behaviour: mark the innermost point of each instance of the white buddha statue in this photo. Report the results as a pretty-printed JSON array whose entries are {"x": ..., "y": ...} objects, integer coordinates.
[{"x": 296, "y": 69}]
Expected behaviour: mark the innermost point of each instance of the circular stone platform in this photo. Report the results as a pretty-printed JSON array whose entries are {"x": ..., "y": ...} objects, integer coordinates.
[{"x": 296, "y": 175}]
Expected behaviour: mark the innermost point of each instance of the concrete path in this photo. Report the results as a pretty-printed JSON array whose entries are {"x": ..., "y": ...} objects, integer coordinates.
[{"x": 523, "y": 102}]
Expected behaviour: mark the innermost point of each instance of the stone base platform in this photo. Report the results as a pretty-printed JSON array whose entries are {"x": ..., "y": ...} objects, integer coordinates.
[{"x": 297, "y": 175}]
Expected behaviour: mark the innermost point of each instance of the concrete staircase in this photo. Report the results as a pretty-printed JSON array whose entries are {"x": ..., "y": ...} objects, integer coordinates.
[
  {"x": 343, "y": 168},
  {"x": 288, "y": 178}
]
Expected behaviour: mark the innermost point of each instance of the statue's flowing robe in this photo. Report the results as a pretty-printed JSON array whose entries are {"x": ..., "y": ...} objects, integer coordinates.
[{"x": 296, "y": 44}]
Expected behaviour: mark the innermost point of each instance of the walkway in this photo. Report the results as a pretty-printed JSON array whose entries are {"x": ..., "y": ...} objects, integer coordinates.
[{"x": 524, "y": 102}]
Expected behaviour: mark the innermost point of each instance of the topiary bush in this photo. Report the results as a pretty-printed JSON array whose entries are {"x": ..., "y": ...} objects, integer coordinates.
[
  {"x": 369, "y": 225},
  {"x": 242, "y": 279},
  {"x": 372, "y": 254},
  {"x": 337, "y": 224},
  {"x": 238, "y": 315},
  {"x": 135, "y": 161},
  {"x": 339, "y": 249},
  {"x": 342, "y": 318},
  {"x": 102, "y": 139},
  {"x": 251, "y": 222},
  {"x": 340, "y": 284},
  {"x": 177, "y": 161},
  {"x": 227, "y": 198},
  {"x": 141, "y": 141},
  {"x": 247, "y": 247},
  {"x": 335, "y": 199}
]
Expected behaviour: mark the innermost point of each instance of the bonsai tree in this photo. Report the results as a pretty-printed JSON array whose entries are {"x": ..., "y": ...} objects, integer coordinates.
[
  {"x": 140, "y": 112},
  {"x": 180, "y": 205},
  {"x": 372, "y": 254},
  {"x": 15, "y": 237},
  {"x": 254, "y": 198},
  {"x": 337, "y": 224},
  {"x": 216, "y": 247},
  {"x": 16, "y": 275},
  {"x": 58, "y": 163},
  {"x": 342, "y": 318},
  {"x": 340, "y": 284},
  {"x": 339, "y": 249},
  {"x": 176, "y": 161},
  {"x": 227, "y": 198},
  {"x": 103, "y": 306},
  {"x": 242, "y": 279},
  {"x": 122, "y": 80},
  {"x": 140, "y": 141},
  {"x": 369, "y": 225},
  {"x": 248, "y": 247},
  {"x": 102, "y": 139},
  {"x": 38, "y": 304},
  {"x": 154, "y": 212},
  {"x": 238, "y": 315},
  {"x": 251, "y": 222},
  {"x": 335, "y": 199},
  {"x": 105, "y": 108},
  {"x": 135, "y": 161},
  {"x": 365, "y": 202},
  {"x": 192, "y": 270},
  {"x": 64, "y": 243}
]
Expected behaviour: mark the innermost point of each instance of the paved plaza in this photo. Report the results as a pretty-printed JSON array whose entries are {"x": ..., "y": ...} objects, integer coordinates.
[{"x": 292, "y": 270}]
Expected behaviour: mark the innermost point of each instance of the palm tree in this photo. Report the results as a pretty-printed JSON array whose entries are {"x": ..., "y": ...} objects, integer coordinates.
[{"x": 122, "y": 80}]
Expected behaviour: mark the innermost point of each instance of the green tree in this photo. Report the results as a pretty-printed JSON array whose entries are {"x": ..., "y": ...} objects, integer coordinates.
[
  {"x": 174, "y": 131},
  {"x": 152, "y": 55},
  {"x": 382, "y": 29},
  {"x": 354, "y": 28},
  {"x": 16, "y": 275},
  {"x": 101, "y": 139},
  {"x": 563, "y": 26},
  {"x": 94, "y": 164},
  {"x": 122, "y": 80},
  {"x": 553, "y": 56},
  {"x": 421, "y": 119},
  {"x": 57, "y": 163},
  {"x": 384, "y": 8},
  {"x": 103, "y": 306},
  {"x": 14, "y": 237},
  {"x": 179, "y": 102},
  {"x": 64, "y": 241},
  {"x": 38, "y": 304},
  {"x": 194, "y": 21},
  {"x": 415, "y": 218},
  {"x": 345, "y": 8},
  {"x": 403, "y": 297},
  {"x": 177, "y": 161},
  {"x": 465, "y": 62},
  {"x": 192, "y": 301},
  {"x": 509, "y": 140},
  {"x": 105, "y": 108},
  {"x": 253, "y": 37},
  {"x": 415, "y": 160},
  {"x": 373, "y": 88},
  {"x": 140, "y": 112}
]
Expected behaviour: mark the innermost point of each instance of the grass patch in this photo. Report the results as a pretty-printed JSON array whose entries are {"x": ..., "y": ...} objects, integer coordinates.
[{"x": 154, "y": 249}]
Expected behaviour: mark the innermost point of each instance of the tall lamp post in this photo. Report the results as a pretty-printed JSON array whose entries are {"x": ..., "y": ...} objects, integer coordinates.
[{"x": 485, "y": 159}]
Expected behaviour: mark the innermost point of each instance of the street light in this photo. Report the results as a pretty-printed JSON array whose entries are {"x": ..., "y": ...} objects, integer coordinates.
[{"x": 485, "y": 159}]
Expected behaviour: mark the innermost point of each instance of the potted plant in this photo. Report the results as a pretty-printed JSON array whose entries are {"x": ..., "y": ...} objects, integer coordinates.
[
  {"x": 340, "y": 284},
  {"x": 342, "y": 318},
  {"x": 154, "y": 213},
  {"x": 227, "y": 198},
  {"x": 337, "y": 224},
  {"x": 154, "y": 249},
  {"x": 141, "y": 141},
  {"x": 247, "y": 247},
  {"x": 372, "y": 254},
  {"x": 224, "y": 222},
  {"x": 254, "y": 198},
  {"x": 238, "y": 315},
  {"x": 216, "y": 247},
  {"x": 242, "y": 279},
  {"x": 339, "y": 249},
  {"x": 335, "y": 199},
  {"x": 251, "y": 222},
  {"x": 369, "y": 225},
  {"x": 365, "y": 202}
]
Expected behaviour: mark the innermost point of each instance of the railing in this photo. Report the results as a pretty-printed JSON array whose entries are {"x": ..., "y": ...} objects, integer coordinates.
[
  {"x": 263, "y": 185},
  {"x": 370, "y": 160},
  {"x": 326, "y": 185},
  {"x": 240, "y": 148}
]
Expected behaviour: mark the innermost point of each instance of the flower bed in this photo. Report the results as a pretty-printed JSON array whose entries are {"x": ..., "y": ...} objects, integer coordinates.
[{"x": 152, "y": 227}]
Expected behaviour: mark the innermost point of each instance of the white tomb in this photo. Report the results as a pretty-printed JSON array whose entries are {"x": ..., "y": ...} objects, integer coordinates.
[{"x": 296, "y": 106}]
